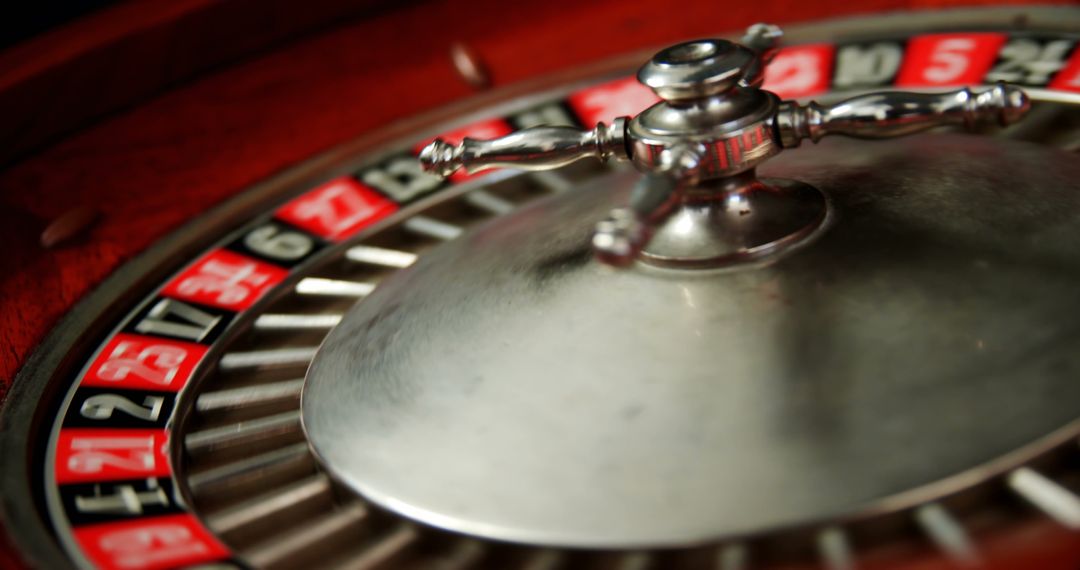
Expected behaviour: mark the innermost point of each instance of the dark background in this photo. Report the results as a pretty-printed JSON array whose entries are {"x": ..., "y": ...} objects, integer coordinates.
[{"x": 21, "y": 20}]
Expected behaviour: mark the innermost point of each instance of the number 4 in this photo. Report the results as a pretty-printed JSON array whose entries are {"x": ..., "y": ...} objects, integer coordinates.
[{"x": 1029, "y": 61}]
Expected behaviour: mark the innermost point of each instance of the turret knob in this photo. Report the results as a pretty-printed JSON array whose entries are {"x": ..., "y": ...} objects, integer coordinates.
[
  {"x": 696, "y": 69},
  {"x": 702, "y": 204}
]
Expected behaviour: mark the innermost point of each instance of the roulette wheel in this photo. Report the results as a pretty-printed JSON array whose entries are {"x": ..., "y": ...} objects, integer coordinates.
[{"x": 269, "y": 322}]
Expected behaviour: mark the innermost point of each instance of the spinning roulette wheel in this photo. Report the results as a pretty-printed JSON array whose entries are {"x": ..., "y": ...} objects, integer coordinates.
[{"x": 375, "y": 358}]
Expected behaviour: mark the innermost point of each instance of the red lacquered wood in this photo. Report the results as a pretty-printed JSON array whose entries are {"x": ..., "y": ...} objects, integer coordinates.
[
  {"x": 149, "y": 168},
  {"x": 109, "y": 60},
  {"x": 176, "y": 153}
]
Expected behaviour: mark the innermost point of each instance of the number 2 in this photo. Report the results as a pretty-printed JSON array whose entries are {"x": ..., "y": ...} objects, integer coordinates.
[{"x": 102, "y": 406}]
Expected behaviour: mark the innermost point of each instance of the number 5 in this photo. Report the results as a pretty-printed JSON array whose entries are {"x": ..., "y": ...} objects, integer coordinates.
[{"x": 950, "y": 60}]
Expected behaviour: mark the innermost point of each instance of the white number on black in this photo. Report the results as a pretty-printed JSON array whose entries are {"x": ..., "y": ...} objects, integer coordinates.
[
  {"x": 552, "y": 115},
  {"x": 126, "y": 500},
  {"x": 276, "y": 243},
  {"x": 402, "y": 179},
  {"x": 102, "y": 407},
  {"x": 1029, "y": 61},
  {"x": 195, "y": 326},
  {"x": 865, "y": 66}
]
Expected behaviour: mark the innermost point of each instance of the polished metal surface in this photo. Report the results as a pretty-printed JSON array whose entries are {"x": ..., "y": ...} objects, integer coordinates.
[
  {"x": 696, "y": 69},
  {"x": 1051, "y": 495},
  {"x": 750, "y": 221},
  {"x": 764, "y": 40},
  {"x": 537, "y": 148},
  {"x": 510, "y": 386},
  {"x": 886, "y": 115},
  {"x": 714, "y": 123}
]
